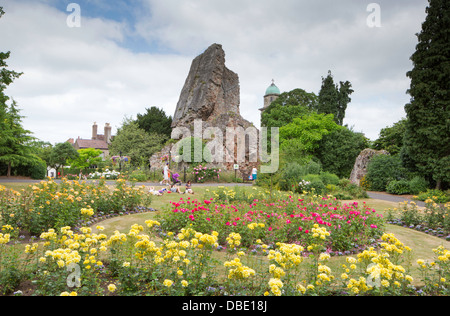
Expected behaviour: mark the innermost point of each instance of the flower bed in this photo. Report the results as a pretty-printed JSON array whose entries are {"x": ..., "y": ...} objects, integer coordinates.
[
  {"x": 54, "y": 205},
  {"x": 287, "y": 219},
  {"x": 434, "y": 219},
  {"x": 203, "y": 174},
  {"x": 93, "y": 264}
]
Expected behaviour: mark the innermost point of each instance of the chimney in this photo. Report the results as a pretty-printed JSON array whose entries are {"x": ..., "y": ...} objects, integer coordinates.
[
  {"x": 94, "y": 131},
  {"x": 107, "y": 133}
]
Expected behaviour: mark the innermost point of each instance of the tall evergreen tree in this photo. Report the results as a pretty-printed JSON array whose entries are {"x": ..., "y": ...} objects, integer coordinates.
[
  {"x": 14, "y": 138},
  {"x": 334, "y": 99},
  {"x": 427, "y": 137},
  {"x": 14, "y": 148}
]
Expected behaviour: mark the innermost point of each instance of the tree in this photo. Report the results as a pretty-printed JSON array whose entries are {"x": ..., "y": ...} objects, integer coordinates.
[
  {"x": 136, "y": 143},
  {"x": 333, "y": 99},
  {"x": 86, "y": 157},
  {"x": 14, "y": 139},
  {"x": 60, "y": 154},
  {"x": 288, "y": 106},
  {"x": 155, "y": 121},
  {"x": 308, "y": 130},
  {"x": 391, "y": 138},
  {"x": 6, "y": 78},
  {"x": 383, "y": 169},
  {"x": 427, "y": 135},
  {"x": 337, "y": 151},
  {"x": 285, "y": 108},
  {"x": 299, "y": 139}
]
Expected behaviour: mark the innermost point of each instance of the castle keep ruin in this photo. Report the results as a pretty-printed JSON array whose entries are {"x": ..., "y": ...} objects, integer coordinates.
[{"x": 211, "y": 95}]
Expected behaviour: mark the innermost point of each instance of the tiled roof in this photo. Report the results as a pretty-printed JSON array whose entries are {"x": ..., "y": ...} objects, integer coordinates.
[{"x": 92, "y": 143}]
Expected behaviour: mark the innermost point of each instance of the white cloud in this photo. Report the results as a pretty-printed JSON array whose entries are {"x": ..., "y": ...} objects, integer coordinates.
[{"x": 75, "y": 76}]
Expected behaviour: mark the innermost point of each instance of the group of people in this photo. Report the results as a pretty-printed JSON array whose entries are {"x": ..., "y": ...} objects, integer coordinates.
[{"x": 174, "y": 186}]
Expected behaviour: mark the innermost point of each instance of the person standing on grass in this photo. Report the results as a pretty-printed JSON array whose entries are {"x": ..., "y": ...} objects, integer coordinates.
[{"x": 166, "y": 175}]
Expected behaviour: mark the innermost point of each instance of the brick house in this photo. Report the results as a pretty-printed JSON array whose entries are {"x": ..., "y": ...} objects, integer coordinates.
[{"x": 98, "y": 141}]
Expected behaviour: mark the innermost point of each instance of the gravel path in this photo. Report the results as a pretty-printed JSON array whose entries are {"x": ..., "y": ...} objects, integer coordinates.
[{"x": 393, "y": 198}]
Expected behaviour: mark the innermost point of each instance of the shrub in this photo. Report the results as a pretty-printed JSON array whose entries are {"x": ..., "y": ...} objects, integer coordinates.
[
  {"x": 294, "y": 172},
  {"x": 329, "y": 178},
  {"x": 314, "y": 182},
  {"x": 437, "y": 196},
  {"x": 138, "y": 176},
  {"x": 203, "y": 174},
  {"x": 398, "y": 187},
  {"x": 363, "y": 183},
  {"x": 383, "y": 169},
  {"x": 38, "y": 170},
  {"x": 417, "y": 185},
  {"x": 347, "y": 190}
]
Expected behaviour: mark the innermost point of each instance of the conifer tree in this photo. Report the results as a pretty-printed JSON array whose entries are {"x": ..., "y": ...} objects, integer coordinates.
[
  {"x": 427, "y": 137},
  {"x": 333, "y": 99},
  {"x": 14, "y": 138}
]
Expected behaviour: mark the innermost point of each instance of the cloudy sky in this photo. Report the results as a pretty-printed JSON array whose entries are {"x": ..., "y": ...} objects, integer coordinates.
[{"x": 121, "y": 57}]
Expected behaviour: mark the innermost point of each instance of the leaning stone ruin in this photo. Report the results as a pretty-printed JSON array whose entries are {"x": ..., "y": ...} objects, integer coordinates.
[
  {"x": 361, "y": 163},
  {"x": 211, "y": 94}
]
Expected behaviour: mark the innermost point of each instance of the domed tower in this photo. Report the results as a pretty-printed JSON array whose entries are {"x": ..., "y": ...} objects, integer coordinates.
[{"x": 272, "y": 93}]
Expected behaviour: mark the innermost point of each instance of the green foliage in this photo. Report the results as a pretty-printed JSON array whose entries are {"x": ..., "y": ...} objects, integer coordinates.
[
  {"x": 333, "y": 99},
  {"x": 155, "y": 121},
  {"x": 347, "y": 190},
  {"x": 9, "y": 279},
  {"x": 383, "y": 169},
  {"x": 136, "y": 143},
  {"x": 307, "y": 131},
  {"x": 338, "y": 150},
  {"x": 138, "y": 176},
  {"x": 418, "y": 184},
  {"x": 288, "y": 106},
  {"x": 398, "y": 187},
  {"x": 414, "y": 186},
  {"x": 14, "y": 139},
  {"x": 294, "y": 172},
  {"x": 391, "y": 138},
  {"x": 435, "y": 195},
  {"x": 14, "y": 149},
  {"x": 427, "y": 131},
  {"x": 314, "y": 184},
  {"x": 329, "y": 178},
  {"x": 86, "y": 158},
  {"x": 38, "y": 169},
  {"x": 293, "y": 151},
  {"x": 58, "y": 156}
]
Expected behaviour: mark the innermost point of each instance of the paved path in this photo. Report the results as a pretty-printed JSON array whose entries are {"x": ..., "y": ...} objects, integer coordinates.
[
  {"x": 30, "y": 181},
  {"x": 373, "y": 195},
  {"x": 393, "y": 198}
]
